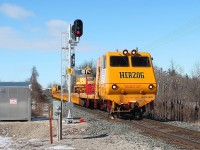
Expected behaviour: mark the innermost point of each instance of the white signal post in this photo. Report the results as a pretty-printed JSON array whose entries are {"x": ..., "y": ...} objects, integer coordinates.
[
  {"x": 74, "y": 34},
  {"x": 72, "y": 42},
  {"x": 69, "y": 116}
]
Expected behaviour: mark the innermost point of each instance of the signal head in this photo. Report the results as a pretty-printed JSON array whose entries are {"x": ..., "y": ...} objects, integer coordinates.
[{"x": 77, "y": 28}]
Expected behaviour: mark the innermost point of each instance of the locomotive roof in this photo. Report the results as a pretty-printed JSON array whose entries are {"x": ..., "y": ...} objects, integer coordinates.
[{"x": 121, "y": 53}]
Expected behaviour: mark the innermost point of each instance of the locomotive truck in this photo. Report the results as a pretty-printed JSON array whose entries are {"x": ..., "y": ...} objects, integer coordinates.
[{"x": 124, "y": 83}]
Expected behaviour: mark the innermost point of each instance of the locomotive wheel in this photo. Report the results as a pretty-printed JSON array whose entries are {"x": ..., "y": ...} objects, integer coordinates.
[
  {"x": 91, "y": 104},
  {"x": 87, "y": 103},
  {"x": 83, "y": 103},
  {"x": 110, "y": 113},
  {"x": 140, "y": 114},
  {"x": 132, "y": 116},
  {"x": 137, "y": 114},
  {"x": 117, "y": 114}
]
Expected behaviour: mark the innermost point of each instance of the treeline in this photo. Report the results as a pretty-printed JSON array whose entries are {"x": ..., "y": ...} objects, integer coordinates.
[{"x": 178, "y": 96}]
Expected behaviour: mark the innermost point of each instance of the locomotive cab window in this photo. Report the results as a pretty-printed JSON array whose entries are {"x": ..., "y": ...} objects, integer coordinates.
[
  {"x": 104, "y": 62},
  {"x": 119, "y": 61},
  {"x": 90, "y": 78},
  {"x": 140, "y": 61}
]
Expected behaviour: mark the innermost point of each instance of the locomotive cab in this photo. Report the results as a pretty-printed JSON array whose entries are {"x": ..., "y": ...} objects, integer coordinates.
[{"x": 127, "y": 80}]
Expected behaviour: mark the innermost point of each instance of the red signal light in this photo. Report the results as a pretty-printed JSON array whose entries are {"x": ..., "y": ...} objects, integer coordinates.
[{"x": 78, "y": 32}]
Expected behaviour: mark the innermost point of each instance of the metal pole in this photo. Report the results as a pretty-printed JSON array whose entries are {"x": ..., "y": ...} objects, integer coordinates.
[
  {"x": 61, "y": 118},
  {"x": 69, "y": 65},
  {"x": 59, "y": 127},
  {"x": 69, "y": 117},
  {"x": 61, "y": 95}
]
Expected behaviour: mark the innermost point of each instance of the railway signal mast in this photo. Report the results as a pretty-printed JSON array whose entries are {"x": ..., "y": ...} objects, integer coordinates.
[{"x": 75, "y": 32}]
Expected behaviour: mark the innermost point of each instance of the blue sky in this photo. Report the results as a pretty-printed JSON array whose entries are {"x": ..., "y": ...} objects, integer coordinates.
[{"x": 30, "y": 33}]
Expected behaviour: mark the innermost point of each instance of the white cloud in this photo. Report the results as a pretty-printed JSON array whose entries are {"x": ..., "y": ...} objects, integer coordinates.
[
  {"x": 7, "y": 32},
  {"x": 11, "y": 39},
  {"x": 8, "y": 36},
  {"x": 43, "y": 38},
  {"x": 55, "y": 27},
  {"x": 14, "y": 11},
  {"x": 86, "y": 47}
]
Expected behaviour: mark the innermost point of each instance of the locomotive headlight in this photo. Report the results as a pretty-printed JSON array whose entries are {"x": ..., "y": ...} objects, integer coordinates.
[
  {"x": 125, "y": 52},
  {"x": 151, "y": 86},
  {"x": 133, "y": 52},
  {"x": 114, "y": 87}
]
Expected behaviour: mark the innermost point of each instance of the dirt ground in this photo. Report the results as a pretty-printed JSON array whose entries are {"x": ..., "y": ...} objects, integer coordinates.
[{"x": 35, "y": 135}]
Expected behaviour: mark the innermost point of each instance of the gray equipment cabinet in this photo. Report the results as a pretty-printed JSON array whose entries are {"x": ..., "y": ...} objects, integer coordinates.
[{"x": 15, "y": 101}]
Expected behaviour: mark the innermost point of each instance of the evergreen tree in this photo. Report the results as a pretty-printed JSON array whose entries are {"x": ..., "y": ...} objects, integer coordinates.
[{"x": 36, "y": 93}]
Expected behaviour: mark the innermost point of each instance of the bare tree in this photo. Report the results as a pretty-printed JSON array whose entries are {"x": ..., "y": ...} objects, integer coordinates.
[
  {"x": 37, "y": 96},
  {"x": 52, "y": 84},
  {"x": 196, "y": 91},
  {"x": 90, "y": 63},
  {"x": 178, "y": 96},
  {"x": 36, "y": 92}
]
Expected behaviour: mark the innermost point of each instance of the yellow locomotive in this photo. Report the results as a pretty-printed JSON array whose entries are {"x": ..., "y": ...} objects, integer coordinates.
[{"x": 125, "y": 83}]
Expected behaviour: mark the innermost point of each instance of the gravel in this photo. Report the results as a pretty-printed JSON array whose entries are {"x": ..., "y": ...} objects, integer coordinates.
[
  {"x": 93, "y": 134},
  {"x": 184, "y": 125}
]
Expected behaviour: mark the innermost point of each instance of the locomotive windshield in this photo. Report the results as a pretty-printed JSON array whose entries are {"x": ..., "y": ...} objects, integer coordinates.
[
  {"x": 119, "y": 61},
  {"x": 140, "y": 61},
  {"x": 90, "y": 78}
]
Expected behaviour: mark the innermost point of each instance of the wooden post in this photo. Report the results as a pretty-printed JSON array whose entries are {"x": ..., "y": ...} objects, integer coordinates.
[{"x": 50, "y": 126}]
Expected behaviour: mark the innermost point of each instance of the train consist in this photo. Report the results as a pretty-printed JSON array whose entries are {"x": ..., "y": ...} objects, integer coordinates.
[{"x": 124, "y": 83}]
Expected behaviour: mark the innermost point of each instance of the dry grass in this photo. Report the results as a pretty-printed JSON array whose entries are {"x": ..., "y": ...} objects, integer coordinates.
[{"x": 197, "y": 123}]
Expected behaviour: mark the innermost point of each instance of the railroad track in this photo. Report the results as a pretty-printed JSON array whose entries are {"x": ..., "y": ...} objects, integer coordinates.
[{"x": 182, "y": 138}]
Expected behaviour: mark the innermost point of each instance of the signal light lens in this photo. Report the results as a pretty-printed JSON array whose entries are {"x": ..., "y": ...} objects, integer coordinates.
[
  {"x": 78, "y": 32},
  {"x": 133, "y": 52},
  {"x": 114, "y": 87},
  {"x": 151, "y": 86},
  {"x": 125, "y": 52}
]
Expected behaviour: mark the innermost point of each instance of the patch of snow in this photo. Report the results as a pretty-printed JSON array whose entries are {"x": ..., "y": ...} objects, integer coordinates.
[
  {"x": 5, "y": 142},
  {"x": 63, "y": 147}
]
